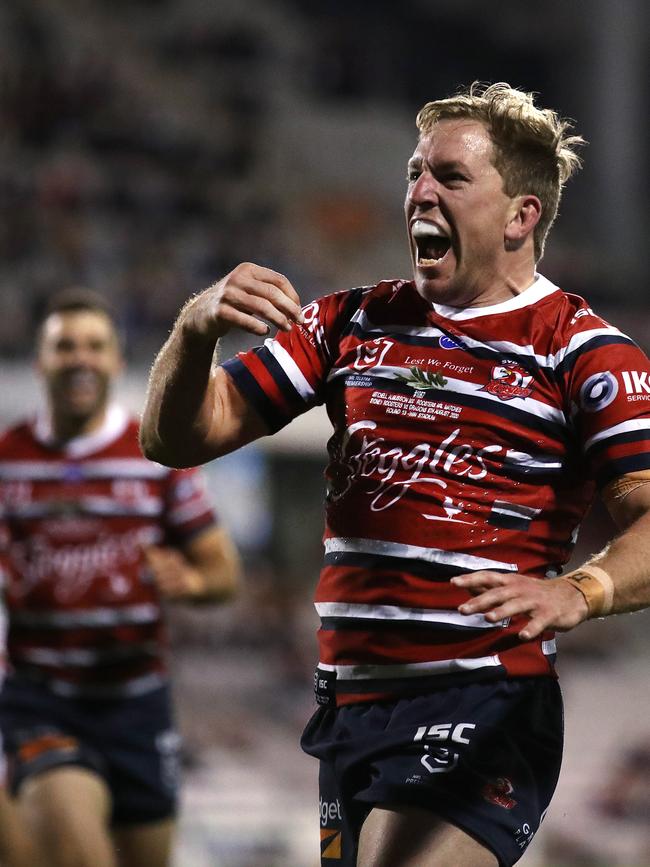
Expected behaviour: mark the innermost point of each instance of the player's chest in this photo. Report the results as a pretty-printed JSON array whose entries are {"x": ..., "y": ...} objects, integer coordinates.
[
  {"x": 74, "y": 508},
  {"x": 419, "y": 382}
]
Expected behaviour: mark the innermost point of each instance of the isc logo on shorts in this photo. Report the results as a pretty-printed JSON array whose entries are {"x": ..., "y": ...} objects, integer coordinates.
[
  {"x": 444, "y": 732},
  {"x": 440, "y": 759}
]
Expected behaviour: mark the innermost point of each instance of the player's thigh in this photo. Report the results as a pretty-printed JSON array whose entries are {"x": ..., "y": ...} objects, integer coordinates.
[
  {"x": 68, "y": 810},
  {"x": 16, "y": 846},
  {"x": 414, "y": 837},
  {"x": 145, "y": 845}
]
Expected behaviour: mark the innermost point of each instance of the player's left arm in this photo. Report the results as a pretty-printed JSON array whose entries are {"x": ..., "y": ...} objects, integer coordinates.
[
  {"x": 205, "y": 569},
  {"x": 615, "y": 581}
]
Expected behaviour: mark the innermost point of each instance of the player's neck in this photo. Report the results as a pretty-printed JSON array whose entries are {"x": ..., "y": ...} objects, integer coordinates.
[{"x": 67, "y": 427}]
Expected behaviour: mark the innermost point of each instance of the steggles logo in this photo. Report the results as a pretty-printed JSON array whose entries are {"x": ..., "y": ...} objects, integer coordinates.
[{"x": 421, "y": 380}]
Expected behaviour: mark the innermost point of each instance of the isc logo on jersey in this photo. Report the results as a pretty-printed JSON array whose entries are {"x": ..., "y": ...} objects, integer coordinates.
[{"x": 636, "y": 384}]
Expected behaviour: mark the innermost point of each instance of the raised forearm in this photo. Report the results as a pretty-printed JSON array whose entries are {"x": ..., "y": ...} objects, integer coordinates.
[
  {"x": 192, "y": 412},
  {"x": 179, "y": 407}
]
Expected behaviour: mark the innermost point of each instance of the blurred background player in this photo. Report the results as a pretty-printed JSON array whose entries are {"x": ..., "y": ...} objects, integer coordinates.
[
  {"x": 97, "y": 538},
  {"x": 16, "y": 849}
]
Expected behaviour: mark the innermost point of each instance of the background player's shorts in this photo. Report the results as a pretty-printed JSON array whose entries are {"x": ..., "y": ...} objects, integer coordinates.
[
  {"x": 484, "y": 757},
  {"x": 130, "y": 743}
]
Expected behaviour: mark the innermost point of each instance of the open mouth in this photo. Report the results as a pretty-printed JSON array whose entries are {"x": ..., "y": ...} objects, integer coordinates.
[{"x": 431, "y": 241}]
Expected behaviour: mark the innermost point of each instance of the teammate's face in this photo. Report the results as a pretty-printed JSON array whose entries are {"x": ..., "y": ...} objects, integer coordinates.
[
  {"x": 78, "y": 357},
  {"x": 456, "y": 215}
]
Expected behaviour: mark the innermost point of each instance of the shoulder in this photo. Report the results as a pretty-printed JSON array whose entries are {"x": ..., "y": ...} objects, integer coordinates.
[
  {"x": 569, "y": 312},
  {"x": 359, "y": 296},
  {"x": 15, "y": 439}
]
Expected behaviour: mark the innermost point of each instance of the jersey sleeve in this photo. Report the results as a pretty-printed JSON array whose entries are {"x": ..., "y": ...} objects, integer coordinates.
[
  {"x": 286, "y": 376},
  {"x": 188, "y": 509},
  {"x": 608, "y": 377}
]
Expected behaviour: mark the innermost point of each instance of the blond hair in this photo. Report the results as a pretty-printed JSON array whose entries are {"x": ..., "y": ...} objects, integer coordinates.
[{"x": 532, "y": 151}]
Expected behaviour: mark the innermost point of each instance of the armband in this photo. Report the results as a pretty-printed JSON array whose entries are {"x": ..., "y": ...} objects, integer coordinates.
[{"x": 595, "y": 585}]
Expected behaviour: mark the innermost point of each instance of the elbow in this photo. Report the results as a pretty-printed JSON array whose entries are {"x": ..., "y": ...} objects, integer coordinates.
[
  {"x": 149, "y": 446},
  {"x": 155, "y": 450}
]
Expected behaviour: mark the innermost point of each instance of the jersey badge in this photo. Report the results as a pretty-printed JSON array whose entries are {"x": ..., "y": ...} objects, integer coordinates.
[
  {"x": 598, "y": 391},
  {"x": 498, "y": 792},
  {"x": 509, "y": 380}
]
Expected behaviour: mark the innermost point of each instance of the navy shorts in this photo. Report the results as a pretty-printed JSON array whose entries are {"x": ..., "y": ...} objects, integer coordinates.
[
  {"x": 131, "y": 743},
  {"x": 484, "y": 757}
]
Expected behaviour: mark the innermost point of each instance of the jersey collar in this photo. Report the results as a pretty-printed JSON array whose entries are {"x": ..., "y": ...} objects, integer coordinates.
[
  {"x": 538, "y": 289},
  {"x": 114, "y": 424}
]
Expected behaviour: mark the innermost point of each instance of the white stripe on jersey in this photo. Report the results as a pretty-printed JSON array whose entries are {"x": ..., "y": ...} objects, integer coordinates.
[
  {"x": 635, "y": 424},
  {"x": 123, "y": 468},
  {"x": 361, "y": 319},
  {"x": 113, "y": 468},
  {"x": 513, "y": 510},
  {"x": 364, "y": 671},
  {"x": 395, "y": 612},
  {"x": 528, "y": 405},
  {"x": 143, "y": 613},
  {"x": 135, "y": 686},
  {"x": 186, "y": 512},
  {"x": 538, "y": 462},
  {"x": 143, "y": 506},
  {"x": 11, "y": 471},
  {"x": 579, "y": 340},
  {"x": 84, "y": 657},
  {"x": 291, "y": 369},
  {"x": 549, "y": 647},
  {"x": 382, "y": 548}
]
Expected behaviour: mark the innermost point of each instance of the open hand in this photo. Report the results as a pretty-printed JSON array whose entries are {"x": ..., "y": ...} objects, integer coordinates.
[
  {"x": 550, "y": 604},
  {"x": 174, "y": 576}
]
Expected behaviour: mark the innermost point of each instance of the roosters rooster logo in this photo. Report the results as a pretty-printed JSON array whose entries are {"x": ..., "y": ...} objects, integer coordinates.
[{"x": 509, "y": 379}]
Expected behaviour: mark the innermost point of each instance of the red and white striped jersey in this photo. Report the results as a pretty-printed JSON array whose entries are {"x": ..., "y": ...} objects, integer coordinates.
[
  {"x": 464, "y": 439},
  {"x": 85, "y": 615}
]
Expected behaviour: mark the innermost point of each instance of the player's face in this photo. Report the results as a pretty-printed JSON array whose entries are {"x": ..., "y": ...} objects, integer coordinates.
[
  {"x": 456, "y": 214},
  {"x": 78, "y": 358}
]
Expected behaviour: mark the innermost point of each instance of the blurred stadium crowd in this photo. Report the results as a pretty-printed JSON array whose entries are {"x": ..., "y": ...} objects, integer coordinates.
[{"x": 148, "y": 146}]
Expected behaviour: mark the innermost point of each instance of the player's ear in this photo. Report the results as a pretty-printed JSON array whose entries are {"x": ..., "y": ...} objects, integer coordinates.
[{"x": 522, "y": 219}]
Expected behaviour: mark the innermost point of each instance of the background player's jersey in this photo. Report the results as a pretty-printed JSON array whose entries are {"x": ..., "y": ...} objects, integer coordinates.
[
  {"x": 464, "y": 439},
  {"x": 84, "y": 611}
]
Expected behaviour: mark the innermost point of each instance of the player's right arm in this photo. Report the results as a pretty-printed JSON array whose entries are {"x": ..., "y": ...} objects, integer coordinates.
[{"x": 193, "y": 411}]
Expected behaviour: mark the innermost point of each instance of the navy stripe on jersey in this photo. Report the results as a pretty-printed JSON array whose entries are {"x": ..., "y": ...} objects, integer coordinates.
[
  {"x": 595, "y": 343},
  {"x": 415, "y": 554},
  {"x": 351, "y": 305},
  {"x": 254, "y": 393},
  {"x": 537, "y": 466},
  {"x": 363, "y": 624},
  {"x": 511, "y": 516},
  {"x": 405, "y": 686},
  {"x": 399, "y": 614},
  {"x": 477, "y": 351},
  {"x": 633, "y": 436},
  {"x": 615, "y": 469},
  {"x": 95, "y": 617},
  {"x": 428, "y": 678},
  {"x": 283, "y": 382},
  {"x": 374, "y": 562}
]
